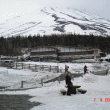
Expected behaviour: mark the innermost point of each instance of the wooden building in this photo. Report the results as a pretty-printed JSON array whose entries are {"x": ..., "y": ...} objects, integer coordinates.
[
  {"x": 44, "y": 53},
  {"x": 62, "y": 53}
]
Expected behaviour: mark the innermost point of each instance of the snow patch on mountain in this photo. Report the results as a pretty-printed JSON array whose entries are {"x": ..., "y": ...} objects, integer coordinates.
[{"x": 55, "y": 21}]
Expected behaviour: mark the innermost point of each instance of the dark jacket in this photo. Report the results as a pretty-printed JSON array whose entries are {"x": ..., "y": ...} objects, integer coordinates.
[{"x": 68, "y": 80}]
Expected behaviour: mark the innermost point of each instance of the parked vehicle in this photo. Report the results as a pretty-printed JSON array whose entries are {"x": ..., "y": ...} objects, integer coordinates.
[{"x": 7, "y": 63}]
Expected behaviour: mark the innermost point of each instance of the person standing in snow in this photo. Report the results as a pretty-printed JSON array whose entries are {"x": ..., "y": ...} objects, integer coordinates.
[
  {"x": 85, "y": 69},
  {"x": 69, "y": 84},
  {"x": 66, "y": 68}
]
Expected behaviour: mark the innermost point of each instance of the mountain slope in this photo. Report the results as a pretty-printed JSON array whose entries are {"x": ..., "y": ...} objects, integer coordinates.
[{"x": 55, "y": 21}]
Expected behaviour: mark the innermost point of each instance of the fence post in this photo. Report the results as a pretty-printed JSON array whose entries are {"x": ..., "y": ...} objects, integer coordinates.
[
  {"x": 57, "y": 69},
  {"x": 59, "y": 79},
  {"x": 22, "y": 65},
  {"x": 35, "y": 67},
  {"x": 29, "y": 66},
  {"x": 50, "y": 68},
  {"x": 60, "y": 70},
  {"x": 16, "y": 65},
  {"x": 42, "y": 67},
  {"x": 21, "y": 84},
  {"x": 82, "y": 74},
  {"x": 42, "y": 82},
  {"x": 72, "y": 76}
]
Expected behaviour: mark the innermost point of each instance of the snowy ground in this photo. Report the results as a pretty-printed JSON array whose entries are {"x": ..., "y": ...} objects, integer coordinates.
[
  {"x": 97, "y": 87},
  {"x": 13, "y": 78}
]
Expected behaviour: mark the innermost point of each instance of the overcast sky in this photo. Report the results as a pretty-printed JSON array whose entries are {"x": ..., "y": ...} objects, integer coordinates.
[{"x": 11, "y": 8}]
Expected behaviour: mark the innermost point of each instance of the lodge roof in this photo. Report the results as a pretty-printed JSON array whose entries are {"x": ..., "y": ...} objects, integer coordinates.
[{"x": 58, "y": 46}]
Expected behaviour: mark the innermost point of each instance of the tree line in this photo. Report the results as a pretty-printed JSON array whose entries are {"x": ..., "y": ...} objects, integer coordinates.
[{"x": 13, "y": 45}]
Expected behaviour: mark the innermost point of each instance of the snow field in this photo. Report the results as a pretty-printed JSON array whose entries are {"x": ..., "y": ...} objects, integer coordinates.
[{"x": 49, "y": 95}]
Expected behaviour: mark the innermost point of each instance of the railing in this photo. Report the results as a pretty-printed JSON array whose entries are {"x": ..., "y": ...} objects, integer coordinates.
[{"x": 36, "y": 68}]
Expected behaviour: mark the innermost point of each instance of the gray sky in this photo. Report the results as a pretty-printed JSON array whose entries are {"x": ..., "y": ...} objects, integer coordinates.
[{"x": 11, "y": 8}]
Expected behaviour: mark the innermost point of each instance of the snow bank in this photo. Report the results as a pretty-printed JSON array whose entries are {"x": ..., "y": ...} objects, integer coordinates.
[{"x": 13, "y": 78}]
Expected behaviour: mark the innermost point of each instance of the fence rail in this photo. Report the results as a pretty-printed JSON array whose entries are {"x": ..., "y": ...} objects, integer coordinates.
[{"x": 36, "y": 68}]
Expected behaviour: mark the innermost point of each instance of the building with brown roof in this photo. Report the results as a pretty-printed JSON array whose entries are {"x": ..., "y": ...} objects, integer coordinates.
[{"x": 62, "y": 53}]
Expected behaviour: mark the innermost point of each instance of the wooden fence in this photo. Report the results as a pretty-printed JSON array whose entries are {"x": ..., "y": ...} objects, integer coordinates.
[{"x": 36, "y": 68}]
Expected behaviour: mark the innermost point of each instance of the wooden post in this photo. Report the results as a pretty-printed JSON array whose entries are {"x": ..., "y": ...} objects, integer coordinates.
[
  {"x": 21, "y": 84},
  {"x": 60, "y": 70},
  {"x": 35, "y": 67},
  {"x": 29, "y": 66},
  {"x": 42, "y": 67},
  {"x": 59, "y": 79},
  {"x": 72, "y": 76},
  {"x": 42, "y": 82},
  {"x": 57, "y": 69},
  {"x": 50, "y": 68},
  {"x": 22, "y": 65},
  {"x": 82, "y": 74},
  {"x": 16, "y": 65}
]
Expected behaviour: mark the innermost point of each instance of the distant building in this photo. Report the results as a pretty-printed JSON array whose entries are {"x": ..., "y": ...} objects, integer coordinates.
[
  {"x": 62, "y": 53},
  {"x": 44, "y": 53}
]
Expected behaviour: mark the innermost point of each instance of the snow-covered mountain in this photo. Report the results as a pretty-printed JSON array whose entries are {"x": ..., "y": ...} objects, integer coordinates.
[{"x": 55, "y": 21}]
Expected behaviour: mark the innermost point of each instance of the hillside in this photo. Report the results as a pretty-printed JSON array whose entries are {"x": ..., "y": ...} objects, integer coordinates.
[{"x": 49, "y": 21}]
